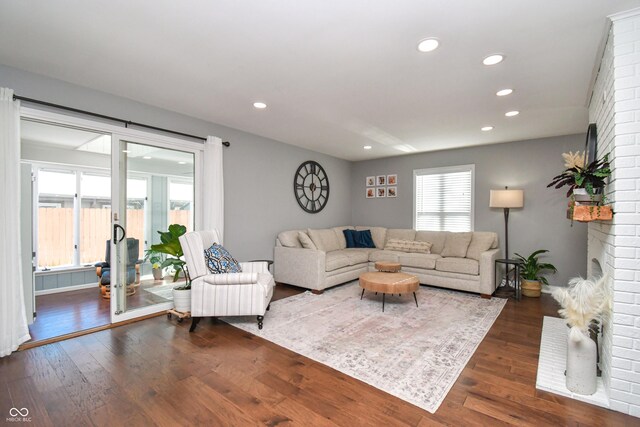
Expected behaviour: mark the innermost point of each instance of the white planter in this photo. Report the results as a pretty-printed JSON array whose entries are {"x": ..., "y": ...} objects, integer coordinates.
[
  {"x": 157, "y": 273},
  {"x": 182, "y": 300},
  {"x": 581, "y": 364}
]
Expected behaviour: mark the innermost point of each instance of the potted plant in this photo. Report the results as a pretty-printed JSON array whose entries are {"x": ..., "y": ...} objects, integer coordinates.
[
  {"x": 171, "y": 246},
  {"x": 586, "y": 182},
  {"x": 531, "y": 273},
  {"x": 156, "y": 259}
]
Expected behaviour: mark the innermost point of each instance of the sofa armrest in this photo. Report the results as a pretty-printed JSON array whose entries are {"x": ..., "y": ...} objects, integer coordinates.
[
  {"x": 488, "y": 271},
  {"x": 255, "y": 267},
  {"x": 299, "y": 267},
  {"x": 230, "y": 278}
]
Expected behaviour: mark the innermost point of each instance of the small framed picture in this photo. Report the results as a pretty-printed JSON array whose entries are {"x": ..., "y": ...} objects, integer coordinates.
[
  {"x": 392, "y": 191},
  {"x": 371, "y": 193},
  {"x": 382, "y": 192},
  {"x": 392, "y": 179},
  {"x": 371, "y": 181},
  {"x": 381, "y": 180}
]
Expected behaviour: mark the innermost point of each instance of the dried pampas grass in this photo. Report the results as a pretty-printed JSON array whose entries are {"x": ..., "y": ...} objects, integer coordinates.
[{"x": 583, "y": 301}]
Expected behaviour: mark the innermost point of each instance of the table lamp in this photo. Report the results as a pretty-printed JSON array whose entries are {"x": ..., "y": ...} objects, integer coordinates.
[{"x": 506, "y": 199}]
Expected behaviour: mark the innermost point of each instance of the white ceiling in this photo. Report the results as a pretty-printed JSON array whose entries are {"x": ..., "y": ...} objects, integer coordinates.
[{"x": 336, "y": 74}]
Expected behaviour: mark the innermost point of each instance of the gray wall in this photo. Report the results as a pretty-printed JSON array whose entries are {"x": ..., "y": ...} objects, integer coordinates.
[
  {"x": 528, "y": 165},
  {"x": 259, "y": 201}
]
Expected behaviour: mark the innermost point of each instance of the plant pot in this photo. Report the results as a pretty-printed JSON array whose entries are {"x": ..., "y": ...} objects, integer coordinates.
[
  {"x": 531, "y": 288},
  {"x": 157, "y": 273},
  {"x": 182, "y": 300},
  {"x": 581, "y": 196},
  {"x": 582, "y": 357}
]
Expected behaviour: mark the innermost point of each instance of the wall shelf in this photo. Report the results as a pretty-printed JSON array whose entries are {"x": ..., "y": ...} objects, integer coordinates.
[{"x": 584, "y": 213}]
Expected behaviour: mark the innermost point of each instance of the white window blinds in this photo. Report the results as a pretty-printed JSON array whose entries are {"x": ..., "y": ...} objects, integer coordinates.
[{"x": 443, "y": 198}]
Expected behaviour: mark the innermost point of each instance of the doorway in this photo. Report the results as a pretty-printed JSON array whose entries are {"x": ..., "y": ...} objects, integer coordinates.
[{"x": 79, "y": 177}]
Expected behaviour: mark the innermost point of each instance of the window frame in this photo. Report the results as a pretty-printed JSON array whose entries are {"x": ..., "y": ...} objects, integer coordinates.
[{"x": 441, "y": 171}]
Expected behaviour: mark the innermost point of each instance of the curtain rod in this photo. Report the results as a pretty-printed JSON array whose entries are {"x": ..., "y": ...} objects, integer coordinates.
[{"x": 127, "y": 123}]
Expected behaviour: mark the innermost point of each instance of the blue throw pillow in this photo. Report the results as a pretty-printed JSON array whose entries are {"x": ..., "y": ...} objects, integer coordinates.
[
  {"x": 349, "y": 236},
  {"x": 220, "y": 261},
  {"x": 363, "y": 239}
]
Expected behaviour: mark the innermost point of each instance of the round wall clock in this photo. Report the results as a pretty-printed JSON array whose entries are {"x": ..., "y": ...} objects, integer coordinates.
[{"x": 311, "y": 186}]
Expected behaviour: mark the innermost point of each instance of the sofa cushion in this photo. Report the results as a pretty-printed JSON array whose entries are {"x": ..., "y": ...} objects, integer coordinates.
[
  {"x": 436, "y": 238},
  {"x": 401, "y": 233},
  {"x": 377, "y": 233},
  {"x": 427, "y": 261},
  {"x": 408, "y": 246},
  {"x": 458, "y": 265},
  {"x": 384, "y": 255},
  {"x": 340, "y": 234},
  {"x": 289, "y": 239},
  {"x": 326, "y": 239},
  {"x": 356, "y": 256},
  {"x": 481, "y": 241},
  {"x": 335, "y": 260},
  {"x": 306, "y": 241},
  {"x": 456, "y": 245}
]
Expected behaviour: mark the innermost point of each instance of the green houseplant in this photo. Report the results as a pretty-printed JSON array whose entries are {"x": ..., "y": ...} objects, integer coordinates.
[
  {"x": 578, "y": 175},
  {"x": 531, "y": 273},
  {"x": 155, "y": 258},
  {"x": 171, "y": 246}
]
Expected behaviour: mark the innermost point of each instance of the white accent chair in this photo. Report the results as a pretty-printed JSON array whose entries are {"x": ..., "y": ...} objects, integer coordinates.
[{"x": 232, "y": 294}]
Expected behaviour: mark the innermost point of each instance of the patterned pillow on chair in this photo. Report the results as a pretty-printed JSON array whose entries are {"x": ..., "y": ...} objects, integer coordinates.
[{"x": 220, "y": 261}]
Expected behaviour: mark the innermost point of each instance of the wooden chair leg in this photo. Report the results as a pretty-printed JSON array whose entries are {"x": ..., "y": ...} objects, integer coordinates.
[{"x": 194, "y": 323}]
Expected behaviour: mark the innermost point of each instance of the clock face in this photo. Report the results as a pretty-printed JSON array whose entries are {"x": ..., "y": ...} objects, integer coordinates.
[{"x": 311, "y": 187}]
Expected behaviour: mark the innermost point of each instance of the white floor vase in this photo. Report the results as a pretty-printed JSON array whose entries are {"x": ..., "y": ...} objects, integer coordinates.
[{"x": 581, "y": 364}]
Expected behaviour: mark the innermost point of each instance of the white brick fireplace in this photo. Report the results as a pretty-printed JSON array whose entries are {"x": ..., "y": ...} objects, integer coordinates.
[{"x": 614, "y": 246}]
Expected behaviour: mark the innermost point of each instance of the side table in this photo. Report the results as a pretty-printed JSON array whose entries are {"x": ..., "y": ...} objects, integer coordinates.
[{"x": 516, "y": 263}]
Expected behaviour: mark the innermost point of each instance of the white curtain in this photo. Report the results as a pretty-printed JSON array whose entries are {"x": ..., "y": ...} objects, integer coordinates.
[
  {"x": 13, "y": 319},
  {"x": 213, "y": 187}
]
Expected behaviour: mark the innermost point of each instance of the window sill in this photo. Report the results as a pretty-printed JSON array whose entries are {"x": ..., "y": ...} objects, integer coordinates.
[{"x": 64, "y": 270}]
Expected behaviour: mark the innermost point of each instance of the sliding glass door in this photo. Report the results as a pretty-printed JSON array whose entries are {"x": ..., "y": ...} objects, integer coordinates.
[{"x": 155, "y": 185}]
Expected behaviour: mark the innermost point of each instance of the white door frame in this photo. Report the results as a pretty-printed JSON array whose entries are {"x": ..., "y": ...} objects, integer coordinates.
[{"x": 119, "y": 133}]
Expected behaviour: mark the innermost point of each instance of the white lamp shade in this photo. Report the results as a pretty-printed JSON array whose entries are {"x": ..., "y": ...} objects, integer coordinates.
[{"x": 506, "y": 199}]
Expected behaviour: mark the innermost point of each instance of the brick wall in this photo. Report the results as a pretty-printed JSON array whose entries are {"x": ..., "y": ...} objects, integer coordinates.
[{"x": 615, "y": 107}]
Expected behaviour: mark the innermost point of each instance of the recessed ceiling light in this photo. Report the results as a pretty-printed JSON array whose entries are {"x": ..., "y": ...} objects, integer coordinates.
[
  {"x": 147, "y": 157},
  {"x": 260, "y": 105},
  {"x": 493, "y": 59},
  {"x": 504, "y": 92},
  {"x": 126, "y": 151},
  {"x": 182, "y": 163},
  {"x": 512, "y": 113},
  {"x": 427, "y": 45},
  {"x": 486, "y": 128},
  {"x": 367, "y": 147}
]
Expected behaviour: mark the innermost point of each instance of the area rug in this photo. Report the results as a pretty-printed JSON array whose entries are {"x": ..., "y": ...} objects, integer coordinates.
[
  {"x": 414, "y": 353},
  {"x": 163, "y": 291}
]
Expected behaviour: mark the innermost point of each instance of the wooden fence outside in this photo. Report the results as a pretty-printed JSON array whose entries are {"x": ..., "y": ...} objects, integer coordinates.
[{"x": 55, "y": 234}]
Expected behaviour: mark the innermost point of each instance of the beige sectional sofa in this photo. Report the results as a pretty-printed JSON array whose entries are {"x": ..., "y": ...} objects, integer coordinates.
[{"x": 319, "y": 259}]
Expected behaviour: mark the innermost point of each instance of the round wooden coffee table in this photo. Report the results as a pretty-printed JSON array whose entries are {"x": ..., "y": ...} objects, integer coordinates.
[{"x": 389, "y": 283}]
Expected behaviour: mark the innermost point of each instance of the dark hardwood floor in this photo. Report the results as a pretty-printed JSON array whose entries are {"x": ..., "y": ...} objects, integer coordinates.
[
  {"x": 68, "y": 312},
  {"x": 154, "y": 372}
]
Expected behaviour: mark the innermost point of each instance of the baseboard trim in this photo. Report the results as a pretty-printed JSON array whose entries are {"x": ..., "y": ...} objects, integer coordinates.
[{"x": 67, "y": 289}]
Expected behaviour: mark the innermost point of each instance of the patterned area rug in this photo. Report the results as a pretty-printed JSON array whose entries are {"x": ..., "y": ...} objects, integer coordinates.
[{"x": 414, "y": 353}]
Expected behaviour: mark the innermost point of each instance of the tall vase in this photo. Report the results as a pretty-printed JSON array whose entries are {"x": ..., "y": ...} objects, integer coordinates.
[{"x": 582, "y": 355}]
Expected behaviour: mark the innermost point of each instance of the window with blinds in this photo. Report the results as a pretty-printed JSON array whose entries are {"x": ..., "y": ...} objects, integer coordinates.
[{"x": 443, "y": 198}]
